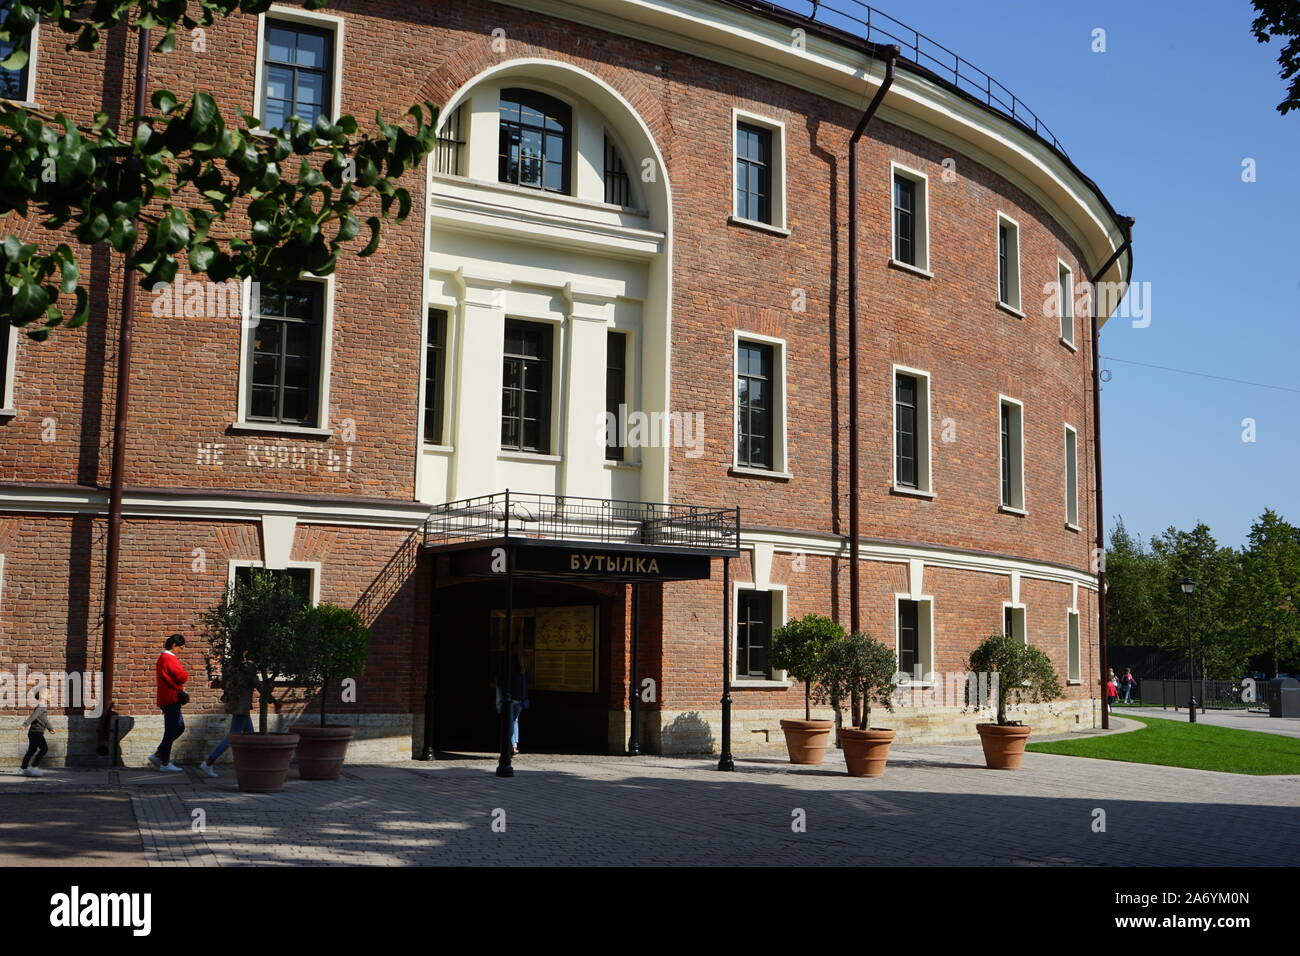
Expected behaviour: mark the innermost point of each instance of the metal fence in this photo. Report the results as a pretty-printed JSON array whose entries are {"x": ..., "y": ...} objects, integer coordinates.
[
  {"x": 1209, "y": 694},
  {"x": 591, "y": 520},
  {"x": 863, "y": 22}
]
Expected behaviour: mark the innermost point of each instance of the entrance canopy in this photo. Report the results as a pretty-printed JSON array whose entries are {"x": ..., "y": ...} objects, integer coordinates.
[{"x": 587, "y": 539}]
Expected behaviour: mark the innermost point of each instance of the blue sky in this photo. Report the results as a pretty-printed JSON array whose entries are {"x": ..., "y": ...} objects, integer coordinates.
[{"x": 1162, "y": 122}]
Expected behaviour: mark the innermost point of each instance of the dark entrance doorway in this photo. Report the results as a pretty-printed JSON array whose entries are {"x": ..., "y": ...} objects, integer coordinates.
[{"x": 566, "y": 631}]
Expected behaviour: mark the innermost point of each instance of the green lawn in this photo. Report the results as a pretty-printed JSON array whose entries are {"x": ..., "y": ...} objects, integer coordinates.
[{"x": 1173, "y": 743}]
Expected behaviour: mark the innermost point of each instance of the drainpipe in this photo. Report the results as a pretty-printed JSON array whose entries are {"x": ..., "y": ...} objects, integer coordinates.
[
  {"x": 106, "y": 746},
  {"x": 855, "y": 609},
  {"x": 1125, "y": 246}
]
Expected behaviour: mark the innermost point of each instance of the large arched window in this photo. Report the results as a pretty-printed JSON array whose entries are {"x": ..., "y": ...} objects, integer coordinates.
[{"x": 535, "y": 131}]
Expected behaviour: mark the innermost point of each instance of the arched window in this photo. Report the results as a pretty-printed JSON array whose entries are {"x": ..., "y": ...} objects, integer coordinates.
[{"x": 535, "y": 131}]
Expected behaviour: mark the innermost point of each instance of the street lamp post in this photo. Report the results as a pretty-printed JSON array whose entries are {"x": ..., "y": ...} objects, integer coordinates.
[{"x": 1188, "y": 586}]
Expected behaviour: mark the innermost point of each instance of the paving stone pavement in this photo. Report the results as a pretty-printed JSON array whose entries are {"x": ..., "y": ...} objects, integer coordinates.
[{"x": 934, "y": 806}]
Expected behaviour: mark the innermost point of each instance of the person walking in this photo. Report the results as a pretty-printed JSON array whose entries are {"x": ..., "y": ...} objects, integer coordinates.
[
  {"x": 1129, "y": 683},
  {"x": 239, "y": 705},
  {"x": 170, "y": 676},
  {"x": 1112, "y": 692},
  {"x": 37, "y": 726},
  {"x": 518, "y": 695}
]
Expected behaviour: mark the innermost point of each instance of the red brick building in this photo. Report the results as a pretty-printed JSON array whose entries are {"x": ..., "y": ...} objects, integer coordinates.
[{"x": 636, "y": 206}]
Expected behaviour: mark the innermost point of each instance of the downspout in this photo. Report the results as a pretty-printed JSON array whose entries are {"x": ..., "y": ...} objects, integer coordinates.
[
  {"x": 1100, "y": 518},
  {"x": 106, "y": 746},
  {"x": 855, "y": 609}
]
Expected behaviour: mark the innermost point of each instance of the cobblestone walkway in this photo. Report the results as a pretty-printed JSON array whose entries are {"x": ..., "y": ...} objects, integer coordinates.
[{"x": 934, "y": 806}]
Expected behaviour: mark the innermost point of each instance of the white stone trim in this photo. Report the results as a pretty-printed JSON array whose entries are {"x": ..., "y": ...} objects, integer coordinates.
[
  {"x": 28, "y": 99},
  {"x": 780, "y": 593},
  {"x": 1065, "y": 297},
  {"x": 924, "y": 623},
  {"x": 7, "y": 407},
  {"x": 1071, "y": 442},
  {"x": 1014, "y": 292},
  {"x": 1019, "y": 491},
  {"x": 313, "y": 566},
  {"x": 780, "y": 458},
  {"x": 924, "y": 461},
  {"x": 780, "y": 223},
  {"x": 277, "y": 539},
  {"x": 921, "y": 217}
]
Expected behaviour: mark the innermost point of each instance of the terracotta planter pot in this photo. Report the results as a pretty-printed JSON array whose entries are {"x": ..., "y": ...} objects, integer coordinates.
[
  {"x": 322, "y": 749},
  {"x": 865, "y": 751},
  {"x": 1004, "y": 747},
  {"x": 806, "y": 740},
  {"x": 262, "y": 760}
]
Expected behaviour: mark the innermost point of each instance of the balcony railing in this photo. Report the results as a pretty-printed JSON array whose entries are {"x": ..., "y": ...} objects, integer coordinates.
[
  {"x": 589, "y": 520},
  {"x": 863, "y": 22}
]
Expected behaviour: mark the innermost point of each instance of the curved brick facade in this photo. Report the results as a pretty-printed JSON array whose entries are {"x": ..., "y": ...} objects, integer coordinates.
[{"x": 198, "y": 488}]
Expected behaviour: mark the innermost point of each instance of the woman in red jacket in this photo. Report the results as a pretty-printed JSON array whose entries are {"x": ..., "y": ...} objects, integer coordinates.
[{"x": 171, "y": 676}]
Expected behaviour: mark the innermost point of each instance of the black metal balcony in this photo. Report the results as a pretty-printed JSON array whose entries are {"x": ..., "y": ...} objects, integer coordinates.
[
  {"x": 856, "y": 23},
  {"x": 586, "y": 521}
]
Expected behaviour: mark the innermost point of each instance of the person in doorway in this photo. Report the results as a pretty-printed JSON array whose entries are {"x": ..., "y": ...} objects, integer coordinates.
[
  {"x": 170, "y": 676},
  {"x": 1129, "y": 684},
  {"x": 37, "y": 726},
  {"x": 518, "y": 695},
  {"x": 239, "y": 705}
]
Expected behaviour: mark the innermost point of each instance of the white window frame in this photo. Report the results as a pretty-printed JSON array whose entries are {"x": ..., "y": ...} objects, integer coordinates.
[
  {"x": 1013, "y": 266},
  {"x": 452, "y": 308},
  {"x": 323, "y": 429},
  {"x": 1071, "y": 442},
  {"x": 33, "y": 48},
  {"x": 925, "y": 635},
  {"x": 924, "y": 476},
  {"x": 556, "y": 410},
  {"x": 7, "y": 407},
  {"x": 779, "y": 593},
  {"x": 321, "y": 21},
  {"x": 780, "y": 459},
  {"x": 921, "y": 216},
  {"x": 631, "y": 390},
  {"x": 313, "y": 566},
  {"x": 1073, "y": 648},
  {"x": 1019, "y": 620},
  {"x": 1065, "y": 291},
  {"x": 777, "y": 128},
  {"x": 1018, "y": 503}
]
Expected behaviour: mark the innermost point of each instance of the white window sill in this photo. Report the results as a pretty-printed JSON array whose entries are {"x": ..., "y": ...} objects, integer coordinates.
[
  {"x": 534, "y": 193},
  {"x": 743, "y": 683},
  {"x": 528, "y": 456},
  {"x": 1008, "y": 509},
  {"x": 908, "y": 267},
  {"x": 741, "y": 472},
  {"x": 911, "y": 492},
  {"x": 8, "y": 412},
  {"x": 438, "y": 449},
  {"x": 1073, "y": 683},
  {"x": 615, "y": 465},
  {"x": 1011, "y": 309},
  {"x": 298, "y": 431},
  {"x": 916, "y": 684},
  {"x": 1068, "y": 344},
  {"x": 21, "y": 104},
  {"x": 1073, "y": 527},
  {"x": 755, "y": 224}
]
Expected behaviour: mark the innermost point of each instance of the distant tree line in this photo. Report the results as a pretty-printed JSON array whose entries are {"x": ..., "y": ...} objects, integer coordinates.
[{"x": 1245, "y": 608}]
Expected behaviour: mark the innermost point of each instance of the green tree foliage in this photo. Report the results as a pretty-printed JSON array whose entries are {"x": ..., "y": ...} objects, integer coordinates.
[
  {"x": 1271, "y": 588},
  {"x": 1133, "y": 573},
  {"x": 1281, "y": 19},
  {"x": 235, "y": 200},
  {"x": 860, "y": 667},
  {"x": 798, "y": 648},
  {"x": 335, "y": 646},
  {"x": 1025, "y": 672}
]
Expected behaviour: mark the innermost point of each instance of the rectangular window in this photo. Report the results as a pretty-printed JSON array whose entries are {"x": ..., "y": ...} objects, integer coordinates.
[
  {"x": 6, "y": 335},
  {"x": 1073, "y": 669},
  {"x": 1013, "y": 622},
  {"x": 1071, "y": 477},
  {"x": 1065, "y": 281},
  {"x": 449, "y": 153},
  {"x": 435, "y": 366},
  {"x": 753, "y": 173},
  {"x": 909, "y": 636},
  {"x": 615, "y": 392},
  {"x": 285, "y": 355},
  {"x": 756, "y": 405},
  {"x": 13, "y": 83},
  {"x": 534, "y": 141},
  {"x": 1008, "y": 263},
  {"x": 904, "y": 219},
  {"x": 298, "y": 73},
  {"x": 753, "y": 633},
  {"x": 526, "y": 387},
  {"x": 905, "y": 430},
  {"x": 618, "y": 189},
  {"x": 1011, "y": 453},
  {"x": 300, "y": 577}
]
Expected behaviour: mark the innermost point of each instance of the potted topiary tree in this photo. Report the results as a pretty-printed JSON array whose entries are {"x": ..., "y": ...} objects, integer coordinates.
[
  {"x": 253, "y": 644},
  {"x": 335, "y": 645},
  {"x": 798, "y": 648},
  {"x": 862, "y": 666},
  {"x": 1023, "y": 672}
]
